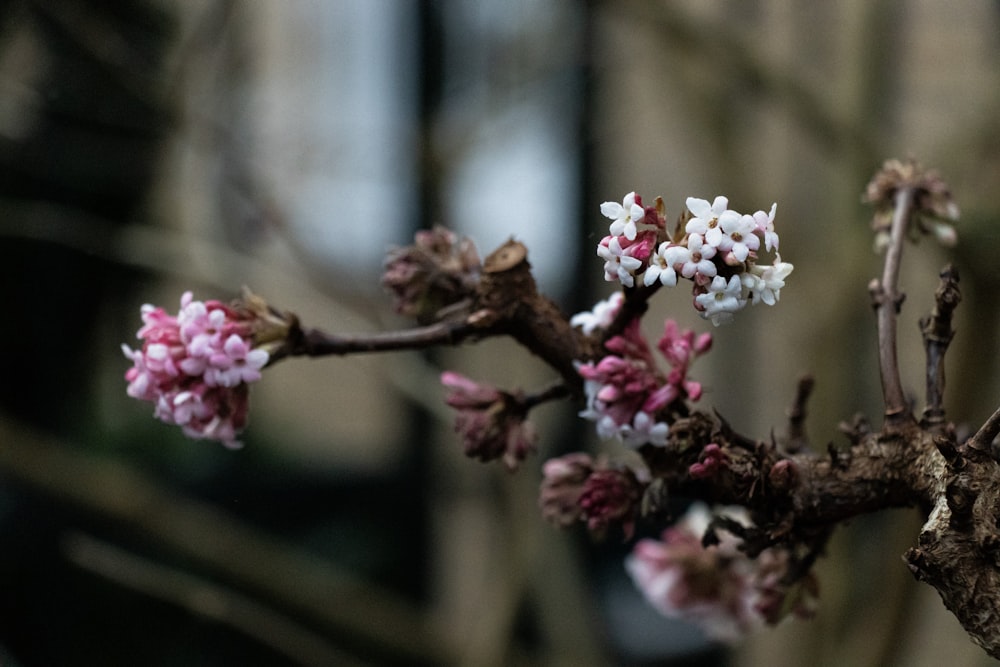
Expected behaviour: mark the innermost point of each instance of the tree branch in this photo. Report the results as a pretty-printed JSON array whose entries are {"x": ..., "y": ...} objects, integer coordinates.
[
  {"x": 887, "y": 299},
  {"x": 937, "y": 335},
  {"x": 796, "y": 436},
  {"x": 316, "y": 343}
]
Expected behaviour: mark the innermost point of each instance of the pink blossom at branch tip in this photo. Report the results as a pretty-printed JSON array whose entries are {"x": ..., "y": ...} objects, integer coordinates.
[
  {"x": 718, "y": 587},
  {"x": 681, "y": 347},
  {"x": 467, "y": 393},
  {"x": 616, "y": 388},
  {"x": 610, "y": 498},
  {"x": 562, "y": 485},
  {"x": 195, "y": 367},
  {"x": 625, "y": 391},
  {"x": 710, "y": 586},
  {"x": 491, "y": 422},
  {"x": 631, "y": 343}
]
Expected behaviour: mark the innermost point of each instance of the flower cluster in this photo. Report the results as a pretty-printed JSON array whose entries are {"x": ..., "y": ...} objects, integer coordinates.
[
  {"x": 625, "y": 390},
  {"x": 491, "y": 422},
  {"x": 717, "y": 250},
  {"x": 195, "y": 367},
  {"x": 717, "y": 587},
  {"x": 577, "y": 488}
]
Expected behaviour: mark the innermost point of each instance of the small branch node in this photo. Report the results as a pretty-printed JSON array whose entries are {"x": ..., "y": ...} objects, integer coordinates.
[
  {"x": 946, "y": 446},
  {"x": 960, "y": 499}
]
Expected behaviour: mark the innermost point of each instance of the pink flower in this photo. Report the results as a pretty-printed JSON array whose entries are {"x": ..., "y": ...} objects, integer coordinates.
[
  {"x": 711, "y": 460},
  {"x": 491, "y": 422},
  {"x": 710, "y": 586},
  {"x": 610, "y": 498},
  {"x": 236, "y": 363},
  {"x": 718, "y": 587},
  {"x": 194, "y": 367},
  {"x": 562, "y": 485},
  {"x": 625, "y": 390}
]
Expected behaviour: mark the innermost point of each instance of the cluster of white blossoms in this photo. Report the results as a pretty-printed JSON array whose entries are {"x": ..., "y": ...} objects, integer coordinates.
[{"x": 717, "y": 250}]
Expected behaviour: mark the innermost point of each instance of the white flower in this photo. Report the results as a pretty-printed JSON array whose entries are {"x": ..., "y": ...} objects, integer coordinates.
[
  {"x": 697, "y": 258},
  {"x": 662, "y": 263},
  {"x": 606, "y": 427},
  {"x": 601, "y": 316},
  {"x": 708, "y": 218},
  {"x": 625, "y": 216},
  {"x": 765, "y": 225},
  {"x": 765, "y": 282},
  {"x": 722, "y": 301},
  {"x": 736, "y": 235},
  {"x": 642, "y": 430},
  {"x": 618, "y": 265}
]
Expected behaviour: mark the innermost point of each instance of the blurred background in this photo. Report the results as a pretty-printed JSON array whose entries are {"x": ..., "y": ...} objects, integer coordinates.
[{"x": 148, "y": 147}]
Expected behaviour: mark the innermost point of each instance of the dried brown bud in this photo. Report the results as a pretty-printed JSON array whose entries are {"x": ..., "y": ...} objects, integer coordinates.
[
  {"x": 438, "y": 270},
  {"x": 932, "y": 200}
]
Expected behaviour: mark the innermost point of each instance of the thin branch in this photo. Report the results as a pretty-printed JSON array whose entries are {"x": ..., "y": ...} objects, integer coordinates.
[
  {"x": 983, "y": 439},
  {"x": 317, "y": 343},
  {"x": 887, "y": 300},
  {"x": 797, "y": 440},
  {"x": 937, "y": 335},
  {"x": 553, "y": 392}
]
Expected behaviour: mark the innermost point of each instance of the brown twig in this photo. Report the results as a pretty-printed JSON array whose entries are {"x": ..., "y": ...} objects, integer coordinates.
[
  {"x": 553, "y": 392},
  {"x": 887, "y": 299},
  {"x": 797, "y": 439},
  {"x": 937, "y": 335},
  {"x": 317, "y": 343},
  {"x": 982, "y": 441}
]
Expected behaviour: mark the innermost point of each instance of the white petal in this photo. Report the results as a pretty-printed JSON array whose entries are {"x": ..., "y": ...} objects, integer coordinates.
[{"x": 612, "y": 209}]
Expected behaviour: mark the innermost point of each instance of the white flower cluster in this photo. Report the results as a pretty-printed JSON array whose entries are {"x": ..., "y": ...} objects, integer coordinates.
[{"x": 717, "y": 250}]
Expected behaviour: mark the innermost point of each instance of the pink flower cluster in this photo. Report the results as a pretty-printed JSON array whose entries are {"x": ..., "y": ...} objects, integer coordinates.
[
  {"x": 577, "y": 488},
  {"x": 625, "y": 390},
  {"x": 491, "y": 422},
  {"x": 195, "y": 367},
  {"x": 717, "y": 587},
  {"x": 717, "y": 250}
]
